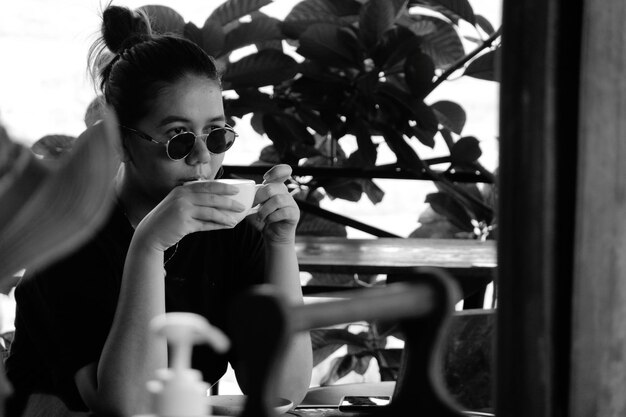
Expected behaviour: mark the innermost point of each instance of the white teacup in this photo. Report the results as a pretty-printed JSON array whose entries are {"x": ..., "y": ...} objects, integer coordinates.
[{"x": 245, "y": 195}]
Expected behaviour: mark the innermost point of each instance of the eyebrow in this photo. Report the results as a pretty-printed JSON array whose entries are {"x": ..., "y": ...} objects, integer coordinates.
[{"x": 172, "y": 119}]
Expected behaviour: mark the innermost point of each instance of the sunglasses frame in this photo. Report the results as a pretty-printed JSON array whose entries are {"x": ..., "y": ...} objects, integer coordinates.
[{"x": 147, "y": 137}]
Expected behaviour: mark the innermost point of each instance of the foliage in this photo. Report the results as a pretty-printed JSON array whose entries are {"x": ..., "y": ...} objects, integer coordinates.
[
  {"x": 361, "y": 348},
  {"x": 360, "y": 68}
]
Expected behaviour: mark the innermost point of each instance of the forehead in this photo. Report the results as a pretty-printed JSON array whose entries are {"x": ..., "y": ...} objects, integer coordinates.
[{"x": 195, "y": 98}]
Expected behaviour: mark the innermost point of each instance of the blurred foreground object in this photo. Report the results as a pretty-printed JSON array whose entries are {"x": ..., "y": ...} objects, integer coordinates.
[
  {"x": 50, "y": 207},
  {"x": 421, "y": 308}
]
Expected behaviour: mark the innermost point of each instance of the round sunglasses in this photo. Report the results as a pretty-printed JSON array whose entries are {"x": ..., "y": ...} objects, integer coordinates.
[{"x": 179, "y": 146}]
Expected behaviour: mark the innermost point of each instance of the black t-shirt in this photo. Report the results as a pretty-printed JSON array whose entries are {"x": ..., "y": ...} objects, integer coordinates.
[{"x": 64, "y": 312}]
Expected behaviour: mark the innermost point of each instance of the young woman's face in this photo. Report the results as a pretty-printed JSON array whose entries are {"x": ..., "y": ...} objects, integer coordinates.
[{"x": 192, "y": 104}]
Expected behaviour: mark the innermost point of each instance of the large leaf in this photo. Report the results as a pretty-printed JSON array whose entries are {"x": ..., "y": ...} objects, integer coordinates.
[
  {"x": 234, "y": 9},
  {"x": 389, "y": 361},
  {"x": 290, "y": 137},
  {"x": 270, "y": 44},
  {"x": 164, "y": 19},
  {"x": 213, "y": 37},
  {"x": 295, "y": 28},
  {"x": 450, "y": 208},
  {"x": 324, "y": 337},
  {"x": 485, "y": 25},
  {"x": 339, "y": 368},
  {"x": 405, "y": 154},
  {"x": 362, "y": 364},
  {"x": 323, "y": 9},
  {"x": 419, "y": 72},
  {"x": 484, "y": 67},
  {"x": 322, "y": 42},
  {"x": 270, "y": 155},
  {"x": 395, "y": 46},
  {"x": 426, "y": 122},
  {"x": 249, "y": 101},
  {"x": 194, "y": 34},
  {"x": 267, "y": 67},
  {"x": 425, "y": 117},
  {"x": 450, "y": 114},
  {"x": 324, "y": 352},
  {"x": 322, "y": 95},
  {"x": 465, "y": 150},
  {"x": 257, "y": 123},
  {"x": 257, "y": 30},
  {"x": 443, "y": 45},
  {"x": 418, "y": 24},
  {"x": 367, "y": 148},
  {"x": 400, "y": 97},
  {"x": 452, "y": 9},
  {"x": 377, "y": 17},
  {"x": 313, "y": 120},
  {"x": 343, "y": 188},
  {"x": 372, "y": 191},
  {"x": 308, "y": 12},
  {"x": 426, "y": 137},
  {"x": 471, "y": 202}
]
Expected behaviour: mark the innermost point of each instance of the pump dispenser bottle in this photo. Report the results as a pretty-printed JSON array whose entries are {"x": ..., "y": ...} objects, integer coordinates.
[{"x": 179, "y": 391}]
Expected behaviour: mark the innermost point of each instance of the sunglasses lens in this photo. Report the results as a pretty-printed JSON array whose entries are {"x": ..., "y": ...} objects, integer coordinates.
[
  {"x": 181, "y": 145},
  {"x": 220, "y": 140}
]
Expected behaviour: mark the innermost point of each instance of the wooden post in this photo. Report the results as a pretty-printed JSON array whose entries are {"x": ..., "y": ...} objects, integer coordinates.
[
  {"x": 598, "y": 384},
  {"x": 538, "y": 124}
]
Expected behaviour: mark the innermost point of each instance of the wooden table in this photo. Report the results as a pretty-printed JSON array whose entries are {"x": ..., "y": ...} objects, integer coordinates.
[{"x": 471, "y": 262}]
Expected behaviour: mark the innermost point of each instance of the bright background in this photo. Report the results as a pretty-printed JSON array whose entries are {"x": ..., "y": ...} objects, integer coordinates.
[{"x": 45, "y": 89}]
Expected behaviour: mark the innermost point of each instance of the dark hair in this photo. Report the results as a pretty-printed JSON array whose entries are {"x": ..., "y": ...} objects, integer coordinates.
[{"x": 142, "y": 63}]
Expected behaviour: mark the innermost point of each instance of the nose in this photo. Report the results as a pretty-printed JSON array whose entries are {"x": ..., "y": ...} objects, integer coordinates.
[{"x": 199, "y": 154}]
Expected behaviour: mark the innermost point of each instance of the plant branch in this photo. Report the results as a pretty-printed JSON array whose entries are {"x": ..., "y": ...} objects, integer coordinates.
[{"x": 461, "y": 62}]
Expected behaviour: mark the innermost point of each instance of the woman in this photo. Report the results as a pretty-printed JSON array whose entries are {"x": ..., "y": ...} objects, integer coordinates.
[{"x": 82, "y": 324}]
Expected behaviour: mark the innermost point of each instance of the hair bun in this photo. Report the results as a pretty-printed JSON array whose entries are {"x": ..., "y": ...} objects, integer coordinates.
[{"x": 122, "y": 28}]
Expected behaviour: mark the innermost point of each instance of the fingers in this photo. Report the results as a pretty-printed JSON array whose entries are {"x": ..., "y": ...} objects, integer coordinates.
[
  {"x": 268, "y": 190},
  {"x": 208, "y": 204},
  {"x": 276, "y": 204},
  {"x": 285, "y": 214},
  {"x": 278, "y": 173},
  {"x": 218, "y": 202},
  {"x": 212, "y": 216}
]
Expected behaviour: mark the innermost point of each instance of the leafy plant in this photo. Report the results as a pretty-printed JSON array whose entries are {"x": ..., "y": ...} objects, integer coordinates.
[
  {"x": 361, "y": 348},
  {"x": 337, "y": 68}
]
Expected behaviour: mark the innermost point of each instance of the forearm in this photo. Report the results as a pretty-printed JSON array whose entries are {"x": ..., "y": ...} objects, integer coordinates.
[
  {"x": 131, "y": 353},
  {"x": 296, "y": 365},
  {"x": 281, "y": 270}
]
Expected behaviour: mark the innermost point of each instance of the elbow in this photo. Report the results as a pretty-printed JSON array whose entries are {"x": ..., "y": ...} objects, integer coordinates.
[{"x": 297, "y": 390}]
